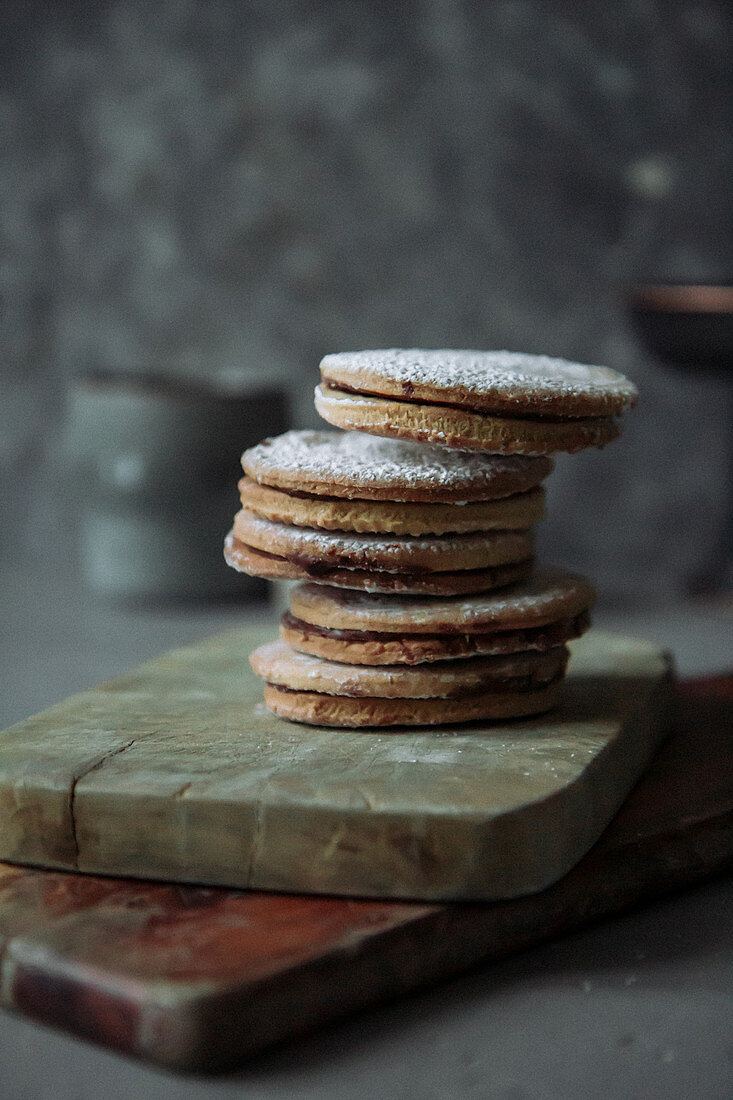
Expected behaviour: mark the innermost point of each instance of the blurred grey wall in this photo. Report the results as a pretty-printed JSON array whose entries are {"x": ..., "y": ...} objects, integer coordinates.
[{"x": 231, "y": 189}]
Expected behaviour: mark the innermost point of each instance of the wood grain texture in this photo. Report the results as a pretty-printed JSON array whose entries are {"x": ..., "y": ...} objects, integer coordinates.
[
  {"x": 178, "y": 772},
  {"x": 197, "y": 978}
]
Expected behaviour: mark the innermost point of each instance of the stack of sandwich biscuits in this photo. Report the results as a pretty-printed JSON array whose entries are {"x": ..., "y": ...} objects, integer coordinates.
[
  {"x": 384, "y": 515},
  {"x": 412, "y": 532}
]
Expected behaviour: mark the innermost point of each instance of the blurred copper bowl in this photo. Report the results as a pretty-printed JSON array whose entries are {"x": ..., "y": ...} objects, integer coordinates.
[{"x": 685, "y": 324}]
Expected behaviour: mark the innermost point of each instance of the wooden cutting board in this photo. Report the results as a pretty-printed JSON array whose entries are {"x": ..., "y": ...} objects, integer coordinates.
[
  {"x": 178, "y": 772},
  {"x": 196, "y": 978}
]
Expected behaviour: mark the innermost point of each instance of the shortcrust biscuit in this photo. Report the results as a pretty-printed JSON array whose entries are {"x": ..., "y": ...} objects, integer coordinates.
[
  {"x": 504, "y": 383},
  {"x": 353, "y": 465},
  {"x": 393, "y": 553},
  {"x": 282, "y": 666},
  {"x": 258, "y": 563},
  {"x": 513, "y": 513},
  {"x": 317, "y": 709},
  {"x": 548, "y": 596},
  {"x": 461, "y": 428},
  {"x": 370, "y": 647}
]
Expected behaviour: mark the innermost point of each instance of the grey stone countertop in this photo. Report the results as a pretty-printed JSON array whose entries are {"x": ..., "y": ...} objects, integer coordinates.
[{"x": 639, "y": 1006}]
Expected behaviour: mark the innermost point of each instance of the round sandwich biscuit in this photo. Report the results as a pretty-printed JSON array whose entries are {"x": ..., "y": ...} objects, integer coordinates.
[
  {"x": 282, "y": 666},
  {"x": 548, "y": 596},
  {"x": 318, "y": 709},
  {"x": 496, "y": 401},
  {"x": 393, "y": 553},
  {"x": 353, "y": 465},
  {"x": 504, "y": 383},
  {"x": 371, "y": 647},
  {"x": 260, "y": 563},
  {"x": 461, "y": 428},
  {"x": 513, "y": 513}
]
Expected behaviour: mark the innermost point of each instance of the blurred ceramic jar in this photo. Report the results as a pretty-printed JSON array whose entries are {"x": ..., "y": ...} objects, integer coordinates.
[{"x": 153, "y": 466}]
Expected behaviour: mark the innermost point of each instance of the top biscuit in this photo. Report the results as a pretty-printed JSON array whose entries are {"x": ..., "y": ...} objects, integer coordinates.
[
  {"x": 357, "y": 466},
  {"x": 502, "y": 382}
]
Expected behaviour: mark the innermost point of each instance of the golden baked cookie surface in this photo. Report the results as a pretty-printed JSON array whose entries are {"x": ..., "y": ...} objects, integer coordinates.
[
  {"x": 461, "y": 428},
  {"x": 514, "y": 513}
]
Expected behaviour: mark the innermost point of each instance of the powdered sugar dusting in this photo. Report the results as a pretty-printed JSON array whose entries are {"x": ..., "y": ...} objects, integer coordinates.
[
  {"x": 513, "y": 375},
  {"x": 367, "y": 461},
  {"x": 545, "y": 596}
]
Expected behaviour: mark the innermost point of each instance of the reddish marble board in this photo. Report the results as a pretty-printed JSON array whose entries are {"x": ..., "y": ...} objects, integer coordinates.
[{"x": 199, "y": 978}]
